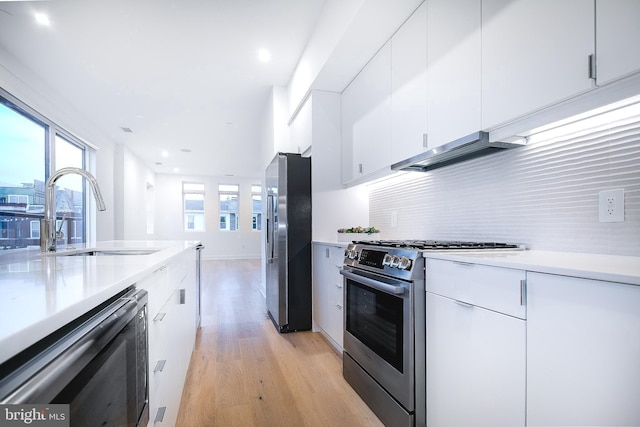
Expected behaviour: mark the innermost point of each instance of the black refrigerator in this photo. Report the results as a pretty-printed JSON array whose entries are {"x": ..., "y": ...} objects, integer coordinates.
[{"x": 288, "y": 242}]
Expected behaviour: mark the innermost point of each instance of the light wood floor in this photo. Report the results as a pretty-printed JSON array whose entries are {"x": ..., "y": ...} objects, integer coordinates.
[{"x": 243, "y": 373}]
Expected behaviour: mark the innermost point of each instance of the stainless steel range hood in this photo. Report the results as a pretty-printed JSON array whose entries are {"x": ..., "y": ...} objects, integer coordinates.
[{"x": 469, "y": 147}]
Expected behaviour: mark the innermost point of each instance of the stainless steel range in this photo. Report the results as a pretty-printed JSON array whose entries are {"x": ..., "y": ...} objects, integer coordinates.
[{"x": 384, "y": 323}]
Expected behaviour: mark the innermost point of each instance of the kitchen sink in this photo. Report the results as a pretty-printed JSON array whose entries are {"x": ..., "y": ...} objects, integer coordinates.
[{"x": 107, "y": 252}]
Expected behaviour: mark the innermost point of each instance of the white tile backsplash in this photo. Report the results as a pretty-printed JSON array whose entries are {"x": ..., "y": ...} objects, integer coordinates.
[{"x": 544, "y": 195}]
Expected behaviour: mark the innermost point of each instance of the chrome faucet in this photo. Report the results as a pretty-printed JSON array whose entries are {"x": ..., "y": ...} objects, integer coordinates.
[{"x": 48, "y": 233}]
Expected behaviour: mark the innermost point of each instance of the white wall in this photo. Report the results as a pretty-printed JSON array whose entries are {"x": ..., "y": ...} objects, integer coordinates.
[
  {"x": 131, "y": 179},
  {"x": 243, "y": 243}
]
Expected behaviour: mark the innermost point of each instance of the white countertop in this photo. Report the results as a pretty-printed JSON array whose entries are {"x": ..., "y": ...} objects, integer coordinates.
[
  {"x": 333, "y": 243},
  {"x": 41, "y": 293},
  {"x": 610, "y": 268}
]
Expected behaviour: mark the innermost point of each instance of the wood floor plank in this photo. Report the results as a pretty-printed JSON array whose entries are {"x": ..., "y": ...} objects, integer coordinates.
[{"x": 244, "y": 373}]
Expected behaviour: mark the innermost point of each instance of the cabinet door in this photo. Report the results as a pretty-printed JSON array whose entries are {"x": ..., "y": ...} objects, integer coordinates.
[
  {"x": 366, "y": 124},
  {"x": 617, "y": 36},
  {"x": 526, "y": 67},
  {"x": 453, "y": 69},
  {"x": 409, "y": 86},
  {"x": 327, "y": 293},
  {"x": 583, "y": 352},
  {"x": 475, "y": 366}
]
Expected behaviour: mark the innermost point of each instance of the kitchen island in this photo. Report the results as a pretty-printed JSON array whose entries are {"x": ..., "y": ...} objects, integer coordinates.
[{"x": 43, "y": 292}]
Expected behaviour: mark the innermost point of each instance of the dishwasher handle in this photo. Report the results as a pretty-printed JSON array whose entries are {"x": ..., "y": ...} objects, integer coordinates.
[{"x": 372, "y": 283}]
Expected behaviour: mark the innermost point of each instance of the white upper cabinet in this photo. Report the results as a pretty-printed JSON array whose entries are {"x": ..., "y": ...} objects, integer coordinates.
[
  {"x": 300, "y": 136},
  {"x": 453, "y": 69},
  {"x": 409, "y": 86},
  {"x": 366, "y": 119},
  {"x": 534, "y": 54},
  {"x": 617, "y": 36}
]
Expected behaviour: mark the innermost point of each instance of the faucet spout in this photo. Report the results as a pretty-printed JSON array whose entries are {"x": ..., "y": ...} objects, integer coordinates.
[{"x": 48, "y": 234}]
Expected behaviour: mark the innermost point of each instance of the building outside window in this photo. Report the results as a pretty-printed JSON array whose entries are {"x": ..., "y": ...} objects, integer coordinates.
[
  {"x": 31, "y": 148},
  {"x": 193, "y": 206},
  {"x": 229, "y": 196},
  {"x": 256, "y": 207}
]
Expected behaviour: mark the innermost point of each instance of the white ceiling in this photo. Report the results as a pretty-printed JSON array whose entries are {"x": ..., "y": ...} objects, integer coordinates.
[{"x": 181, "y": 74}]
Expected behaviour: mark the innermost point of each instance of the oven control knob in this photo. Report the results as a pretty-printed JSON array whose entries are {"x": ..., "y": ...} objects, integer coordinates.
[
  {"x": 395, "y": 261},
  {"x": 405, "y": 264},
  {"x": 351, "y": 253},
  {"x": 386, "y": 260}
]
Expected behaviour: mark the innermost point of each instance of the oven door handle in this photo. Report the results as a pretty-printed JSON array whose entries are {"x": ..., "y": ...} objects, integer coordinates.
[{"x": 396, "y": 290}]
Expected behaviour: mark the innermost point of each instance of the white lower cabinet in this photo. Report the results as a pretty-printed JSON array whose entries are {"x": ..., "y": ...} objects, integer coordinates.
[
  {"x": 583, "y": 352},
  {"x": 172, "y": 328},
  {"x": 475, "y": 355},
  {"x": 328, "y": 292}
]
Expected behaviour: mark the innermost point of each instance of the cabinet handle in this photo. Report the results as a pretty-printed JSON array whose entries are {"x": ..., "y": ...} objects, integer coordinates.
[
  {"x": 338, "y": 306},
  {"x": 523, "y": 292},
  {"x": 359, "y": 167},
  {"x": 425, "y": 140},
  {"x": 464, "y": 264},
  {"x": 339, "y": 285},
  {"x": 326, "y": 253},
  {"x": 592, "y": 66},
  {"x": 160, "y": 414},
  {"x": 183, "y": 296},
  {"x": 159, "y": 366},
  {"x": 464, "y": 304},
  {"x": 159, "y": 317}
]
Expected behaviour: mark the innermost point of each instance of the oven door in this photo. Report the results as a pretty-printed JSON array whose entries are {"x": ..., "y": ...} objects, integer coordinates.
[{"x": 379, "y": 331}]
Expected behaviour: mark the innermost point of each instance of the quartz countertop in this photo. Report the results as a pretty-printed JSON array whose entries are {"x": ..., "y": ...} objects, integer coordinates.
[
  {"x": 42, "y": 292},
  {"x": 610, "y": 268},
  {"x": 331, "y": 243}
]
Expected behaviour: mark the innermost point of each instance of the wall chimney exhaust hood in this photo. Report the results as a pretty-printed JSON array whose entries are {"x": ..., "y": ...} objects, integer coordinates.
[{"x": 469, "y": 147}]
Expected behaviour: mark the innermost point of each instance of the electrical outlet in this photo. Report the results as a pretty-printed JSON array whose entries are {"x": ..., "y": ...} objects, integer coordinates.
[{"x": 611, "y": 205}]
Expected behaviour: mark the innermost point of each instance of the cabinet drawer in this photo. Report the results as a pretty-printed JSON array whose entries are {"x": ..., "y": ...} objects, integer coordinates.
[{"x": 494, "y": 288}]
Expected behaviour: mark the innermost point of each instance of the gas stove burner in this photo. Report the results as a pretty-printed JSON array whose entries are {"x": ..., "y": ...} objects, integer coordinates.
[{"x": 438, "y": 244}]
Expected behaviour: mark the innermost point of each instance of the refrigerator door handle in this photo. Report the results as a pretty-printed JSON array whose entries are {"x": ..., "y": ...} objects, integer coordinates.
[{"x": 269, "y": 227}]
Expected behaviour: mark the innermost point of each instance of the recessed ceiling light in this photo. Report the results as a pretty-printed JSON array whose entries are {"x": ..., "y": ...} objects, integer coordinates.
[
  {"x": 42, "y": 19},
  {"x": 126, "y": 130},
  {"x": 185, "y": 150},
  {"x": 164, "y": 153},
  {"x": 264, "y": 55},
  {"x": 158, "y": 163}
]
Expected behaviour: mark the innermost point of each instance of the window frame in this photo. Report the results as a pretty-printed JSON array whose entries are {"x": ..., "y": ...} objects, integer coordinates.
[
  {"x": 88, "y": 153},
  {"x": 200, "y": 191},
  {"x": 256, "y": 215},
  {"x": 224, "y": 189}
]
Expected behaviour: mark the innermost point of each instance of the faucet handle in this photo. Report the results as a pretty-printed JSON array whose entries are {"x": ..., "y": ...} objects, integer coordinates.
[{"x": 59, "y": 232}]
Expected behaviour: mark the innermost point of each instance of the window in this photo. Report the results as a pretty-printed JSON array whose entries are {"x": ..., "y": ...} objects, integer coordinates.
[
  {"x": 18, "y": 198},
  {"x": 193, "y": 206},
  {"x": 35, "y": 229},
  {"x": 228, "y": 194},
  {"x": 31, "y": 148},
  {"x": 256, "y": 203}
]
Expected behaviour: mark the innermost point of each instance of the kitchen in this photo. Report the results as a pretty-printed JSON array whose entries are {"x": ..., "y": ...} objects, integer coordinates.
[{"x": 548, "y": 201}]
